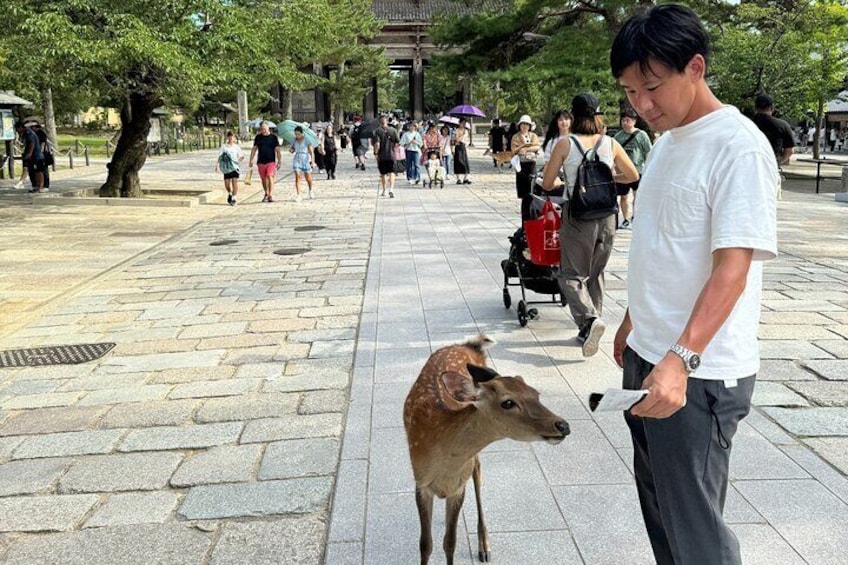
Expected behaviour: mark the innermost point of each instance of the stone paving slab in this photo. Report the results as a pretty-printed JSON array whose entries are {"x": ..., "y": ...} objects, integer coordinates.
[
  {"x": 121, "y": 472},
  {"x": 44, "y": 513},
  {"x": 327, "y": 342}
]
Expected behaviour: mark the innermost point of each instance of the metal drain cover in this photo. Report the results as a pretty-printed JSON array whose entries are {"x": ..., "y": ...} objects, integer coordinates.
[
  {"x": 309, "y": 228},
  {"x": 54, "y": 355},
  {"x": 292, "y": 251},
  {"x": 223, "y": 242}
]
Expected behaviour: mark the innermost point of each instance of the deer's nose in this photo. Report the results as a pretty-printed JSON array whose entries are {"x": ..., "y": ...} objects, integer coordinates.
[{"x": 562, "y": 427}]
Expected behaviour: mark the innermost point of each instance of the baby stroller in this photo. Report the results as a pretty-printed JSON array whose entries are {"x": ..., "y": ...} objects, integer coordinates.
[
  {"x": 539, "y": 278},
  {"x": 435, "y": 170}
]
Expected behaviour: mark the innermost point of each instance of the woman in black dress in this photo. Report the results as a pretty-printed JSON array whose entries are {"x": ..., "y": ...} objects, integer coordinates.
[
  {"x": 460, "y": 155},
  {"x": 328, "y": 150}
]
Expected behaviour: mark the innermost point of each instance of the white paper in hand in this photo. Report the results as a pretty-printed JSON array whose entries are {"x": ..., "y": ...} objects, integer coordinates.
[
  {"x": 616, "y": 399},
  {"x": 516, "y": 163}
]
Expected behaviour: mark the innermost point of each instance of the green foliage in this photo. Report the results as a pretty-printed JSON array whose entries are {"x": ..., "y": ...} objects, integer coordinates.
[{"x": 796, "y": 51}]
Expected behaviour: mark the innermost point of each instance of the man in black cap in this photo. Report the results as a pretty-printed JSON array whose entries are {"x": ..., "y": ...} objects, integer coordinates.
[{"x": 777, "y": 131}]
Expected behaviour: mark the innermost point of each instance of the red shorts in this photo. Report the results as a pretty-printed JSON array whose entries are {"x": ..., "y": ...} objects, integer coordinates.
[{"x": 267, "y": 170}]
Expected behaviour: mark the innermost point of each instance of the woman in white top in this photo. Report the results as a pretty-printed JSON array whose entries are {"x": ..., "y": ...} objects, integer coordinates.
[
  {"x": 445, "y": 148},
  {"x": 558, "y": 128},
  {"x": 586, "y": 245}
]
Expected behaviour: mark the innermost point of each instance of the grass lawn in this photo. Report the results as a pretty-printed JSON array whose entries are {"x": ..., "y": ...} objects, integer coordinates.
[{"x": 96, "y": 143}]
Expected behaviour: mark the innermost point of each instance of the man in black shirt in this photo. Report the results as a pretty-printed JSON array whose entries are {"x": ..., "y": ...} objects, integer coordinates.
[
  {"x": 777, "y": 131},
  {"x": 357, "y": 146},
  {"x": 496, "y": 139},
  {"x": 268, "y": 146},
  {"x": 385, "y": 140}
]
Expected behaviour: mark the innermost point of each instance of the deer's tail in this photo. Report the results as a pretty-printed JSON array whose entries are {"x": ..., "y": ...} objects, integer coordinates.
[{"x": 479, "y": 342}]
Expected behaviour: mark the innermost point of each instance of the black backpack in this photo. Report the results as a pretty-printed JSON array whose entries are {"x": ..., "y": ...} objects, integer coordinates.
[{"x": 593, "y": 194}]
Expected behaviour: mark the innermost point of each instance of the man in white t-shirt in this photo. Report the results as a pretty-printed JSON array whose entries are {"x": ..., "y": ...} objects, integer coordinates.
[{"x": 707, "y": 221}]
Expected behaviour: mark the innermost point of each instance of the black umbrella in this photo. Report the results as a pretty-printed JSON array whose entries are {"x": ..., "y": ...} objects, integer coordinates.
[{"x": 368, "y": 127}]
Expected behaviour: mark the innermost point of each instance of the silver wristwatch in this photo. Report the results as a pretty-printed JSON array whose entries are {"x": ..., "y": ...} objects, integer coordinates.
[{"x": 691, "y": 360}]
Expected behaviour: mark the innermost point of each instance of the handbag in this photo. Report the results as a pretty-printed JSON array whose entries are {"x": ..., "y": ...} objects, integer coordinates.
[
  {"x": 543, "y": 236},
  {"x": 399, "y": 152}
]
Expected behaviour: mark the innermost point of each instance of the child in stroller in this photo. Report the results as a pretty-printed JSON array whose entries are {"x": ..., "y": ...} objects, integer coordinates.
[{"x": 435, "y": 170}]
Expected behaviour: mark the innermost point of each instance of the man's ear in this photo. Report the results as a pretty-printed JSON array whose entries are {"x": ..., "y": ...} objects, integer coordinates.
[{"x": 697, "y": 67}]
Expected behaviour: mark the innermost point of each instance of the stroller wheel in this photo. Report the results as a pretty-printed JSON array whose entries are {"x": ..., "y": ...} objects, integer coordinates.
[
  {"x": 507, "y": 299},
  {"x": 522, "y": 313}
]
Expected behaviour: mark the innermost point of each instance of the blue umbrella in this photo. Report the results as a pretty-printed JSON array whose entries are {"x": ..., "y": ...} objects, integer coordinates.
[
  {"x": 286, "y": 131},
  {"x": 258, "y": 122}
]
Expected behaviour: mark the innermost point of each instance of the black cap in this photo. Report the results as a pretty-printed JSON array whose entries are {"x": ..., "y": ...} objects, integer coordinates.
[
  {"x": 585, "y": 105},
  {"x": 763, "y": 101}
]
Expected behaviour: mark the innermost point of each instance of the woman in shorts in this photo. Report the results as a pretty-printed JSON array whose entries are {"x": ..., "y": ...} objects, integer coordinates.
[
  {"x": 302, "y": 162},
  {"x": 228, "y": 161}
]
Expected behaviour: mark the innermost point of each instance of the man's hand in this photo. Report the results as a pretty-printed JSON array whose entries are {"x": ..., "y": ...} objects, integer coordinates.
[
  {"x": 667, "y": 386},
  {"x": 619, "y": 344}
]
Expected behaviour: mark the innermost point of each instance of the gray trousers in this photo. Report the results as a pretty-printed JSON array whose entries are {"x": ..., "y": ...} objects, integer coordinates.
[
  {"x": 681, "y": 466},
  {"x": 585, "y": 251}
]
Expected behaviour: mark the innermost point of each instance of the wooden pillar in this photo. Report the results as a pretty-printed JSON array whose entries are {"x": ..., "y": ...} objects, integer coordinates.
[
  {"x": 369, "y": 103},
  {"x": 416, "y": 93}
]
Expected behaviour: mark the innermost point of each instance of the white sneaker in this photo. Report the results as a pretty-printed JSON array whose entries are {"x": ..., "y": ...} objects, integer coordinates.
[
  {"x": 297, "y": 197},
  {"x": 19, "y": 184},
  {"x": 593, "y": 339},
  {"x": 311, "y": 196}
]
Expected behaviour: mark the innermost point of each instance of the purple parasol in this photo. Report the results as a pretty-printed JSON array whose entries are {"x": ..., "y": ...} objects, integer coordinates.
[{"x": 466, "y": 111}]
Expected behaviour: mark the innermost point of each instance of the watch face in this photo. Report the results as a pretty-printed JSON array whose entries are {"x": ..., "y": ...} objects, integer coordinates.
[{"x": 694, "y": 362}]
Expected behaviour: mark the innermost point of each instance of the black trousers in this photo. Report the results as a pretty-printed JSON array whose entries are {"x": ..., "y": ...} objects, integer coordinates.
[{"x": 524, "y": 186}]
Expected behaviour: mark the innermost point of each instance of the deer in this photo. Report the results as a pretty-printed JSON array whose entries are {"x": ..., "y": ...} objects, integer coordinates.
[{"x": 455, "y": 408}]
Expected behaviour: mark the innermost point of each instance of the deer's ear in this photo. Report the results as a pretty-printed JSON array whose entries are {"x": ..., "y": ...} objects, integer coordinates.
[
  {"x": 481, "y": 374},
  {"x": 461, "y": 391}
]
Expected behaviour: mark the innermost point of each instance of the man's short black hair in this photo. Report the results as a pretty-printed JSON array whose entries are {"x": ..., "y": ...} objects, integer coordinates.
[
  {"x": 763, "y": 101},
  {"x": 669, "y": 34}
]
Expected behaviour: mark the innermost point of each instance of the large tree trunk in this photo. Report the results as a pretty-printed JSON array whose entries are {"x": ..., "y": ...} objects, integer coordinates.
[
  {"x": 49, "y": 115},
  {"x": 819, "y": 130},
  {"x": 286, "y": 103},
  {"x": 130, "y": 153},
  {"x": 338, "y": 120}
]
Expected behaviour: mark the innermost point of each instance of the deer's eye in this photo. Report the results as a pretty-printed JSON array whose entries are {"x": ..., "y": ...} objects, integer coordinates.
[{"x": 507, "y": 404}]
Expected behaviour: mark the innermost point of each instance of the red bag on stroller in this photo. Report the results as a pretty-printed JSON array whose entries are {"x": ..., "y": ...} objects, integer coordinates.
[{"x": 543, "y": 236}]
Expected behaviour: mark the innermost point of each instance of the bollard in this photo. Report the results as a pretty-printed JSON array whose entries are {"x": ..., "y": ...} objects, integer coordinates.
[
  {"x": 87, "y": 159},
  {"x": 842, "y": 195},
  {"x": 70, "y": 159},
  {"x": 76, "y": 146},
  {"x": 108, "y": 156}
]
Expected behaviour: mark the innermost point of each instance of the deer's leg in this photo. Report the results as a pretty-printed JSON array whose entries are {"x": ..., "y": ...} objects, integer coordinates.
[
  {"x": 453, "y": 505},
  {"x": 424, "y": 500},
  {"x": 483, "y": 551}
]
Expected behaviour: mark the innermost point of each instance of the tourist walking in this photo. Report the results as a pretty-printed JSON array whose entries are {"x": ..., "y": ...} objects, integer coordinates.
[
  {"x": 586, "y": 245},
  {"x": 358, "y": 144},
  {"x": 525, "y": 145},
  {"x": 32, "y": 156},
  {"x": 227, "y": 163},
  {"x": 558, "y": 128},
  {"x": 497, "y": 134},
  {"x": 302, "y": 163},
  {"x": 461, "y": 140},
  {"x": 385, "y": 140},
  {"x": 707, "y": 222},
  {"x": 637, "y": 145},
  {"x": 267, "y": 155},
  {"x": 412, "y": 143},
  {"x": 328, "y": 151},
  {"x": 446, "y": 149}
]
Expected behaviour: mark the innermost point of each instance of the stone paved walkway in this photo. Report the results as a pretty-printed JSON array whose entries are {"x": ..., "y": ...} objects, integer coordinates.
[{"x": 251, "y": 410}]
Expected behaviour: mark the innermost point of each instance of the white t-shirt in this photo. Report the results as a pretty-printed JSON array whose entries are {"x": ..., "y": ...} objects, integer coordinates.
[
  {"x": 234, "y": 150},
  {"x": 707, "y": 185}
]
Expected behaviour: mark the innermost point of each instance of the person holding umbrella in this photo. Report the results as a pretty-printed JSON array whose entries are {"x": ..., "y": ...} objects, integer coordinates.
[
  {"x": 304, "y": 159},
  {"x": 460, "y": 154},
  {"x": 267, "y": 146}
]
